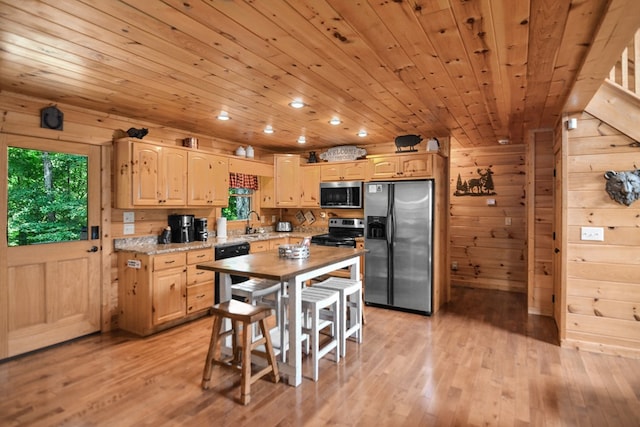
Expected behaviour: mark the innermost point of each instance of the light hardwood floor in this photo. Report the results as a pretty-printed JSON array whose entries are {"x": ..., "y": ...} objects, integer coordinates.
[{"x": 480, "y": 361}]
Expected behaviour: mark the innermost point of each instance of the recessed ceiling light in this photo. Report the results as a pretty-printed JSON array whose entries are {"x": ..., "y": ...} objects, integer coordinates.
[
  {"x": 362, "y": 133},
  {"x": 335, "y": 121},
  {"x": 268, "y": 129},
  {"x": 302, "y": 139},
  {"x": 503, "y": 141},
  {"x": 223, "y": 115},
  {"x": 296, "y": 103}
]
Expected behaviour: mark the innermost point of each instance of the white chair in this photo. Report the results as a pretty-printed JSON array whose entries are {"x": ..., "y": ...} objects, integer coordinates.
[
  {"x": 321, "y": 309},
  {"x": 350, "y": 307},
  {"x": 260, "y": 291}
]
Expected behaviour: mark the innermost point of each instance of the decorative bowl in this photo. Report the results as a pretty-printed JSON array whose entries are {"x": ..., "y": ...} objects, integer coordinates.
[{"x": 293, "y": 251}]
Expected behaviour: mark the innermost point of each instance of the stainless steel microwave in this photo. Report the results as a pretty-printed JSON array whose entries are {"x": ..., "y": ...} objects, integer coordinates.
[{"x": 341, "y": 195}]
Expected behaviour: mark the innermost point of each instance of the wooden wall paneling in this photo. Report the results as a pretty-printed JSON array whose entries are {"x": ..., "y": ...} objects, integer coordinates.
[
  {"x": 485, "y": 61},
  {"x": 540, "y": 219},
  {"x": 4, "y": 280},
  {"x": 582, "y": 18},
  {"x": 511, "y": 25},
  {"x": 325, "y": 80},
  {"x": 616, "y": 29},
  {"x": 489, "y": 253},
  {"x": 21, "y": 116},
  {"x": 601, "y": 276}
]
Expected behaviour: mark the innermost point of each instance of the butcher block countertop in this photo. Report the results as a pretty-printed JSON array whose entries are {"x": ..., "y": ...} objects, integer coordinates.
[
  {"x": 269, "y": 265},
  {"x": 149, "y": 245}
]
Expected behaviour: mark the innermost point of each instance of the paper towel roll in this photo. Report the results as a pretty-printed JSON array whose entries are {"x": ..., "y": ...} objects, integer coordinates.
[{"x": 221, "y": 227}]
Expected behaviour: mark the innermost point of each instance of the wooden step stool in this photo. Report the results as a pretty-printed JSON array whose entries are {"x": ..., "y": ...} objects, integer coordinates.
[{"x": 243, "y": 316}]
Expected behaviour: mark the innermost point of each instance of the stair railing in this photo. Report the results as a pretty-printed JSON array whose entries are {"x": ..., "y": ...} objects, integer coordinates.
[{"x": 625, "y": 73}]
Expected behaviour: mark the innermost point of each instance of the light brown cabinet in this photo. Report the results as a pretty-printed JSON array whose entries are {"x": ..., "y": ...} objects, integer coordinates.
[
  {"x": 287, "y": 180},
  {"x": 168, "y": 294},
  {"x": 310, "y": 186},
  {"x": 200, "y": 283},
  {"x": 400, "y": 166},
  {"x": 208, "y": 179},
  {"x": 155, "y": 175},
  {"x": 267, "y": 192},
  {"x": 267, "y": 244},
  {"x": 160, "y": 291},
  {"x": 151, "y": 175},
  {"x": 344, "y": 171}
]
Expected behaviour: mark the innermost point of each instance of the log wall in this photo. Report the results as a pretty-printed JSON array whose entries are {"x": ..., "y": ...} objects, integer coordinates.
[
  {"x": 21, "y": 116},
  {"x": 489, "y": 253},
  {"x": 602, "y": 278},
  {"x": 540, "y": 223}
]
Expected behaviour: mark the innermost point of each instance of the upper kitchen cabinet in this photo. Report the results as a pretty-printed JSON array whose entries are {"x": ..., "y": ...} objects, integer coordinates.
[
  {"x": 287, "y": 180},
  {"x": 149, "y": 175},
  {"x": 310, "y": 194},
  {"x": 208, "y": 180},
  {"x": 344, "y": 171},
  {"x": 400, "y": 166}
]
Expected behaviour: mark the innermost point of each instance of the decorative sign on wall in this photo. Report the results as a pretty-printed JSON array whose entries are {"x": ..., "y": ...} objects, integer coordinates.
[{"x": 481, "y": 186}]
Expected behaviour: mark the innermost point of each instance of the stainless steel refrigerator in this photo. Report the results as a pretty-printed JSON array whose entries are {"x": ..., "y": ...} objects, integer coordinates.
[{"x": 399, "y": 243}]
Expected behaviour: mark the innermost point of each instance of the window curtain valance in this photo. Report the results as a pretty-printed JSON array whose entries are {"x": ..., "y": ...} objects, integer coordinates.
[{"x": 243, "y": 180}]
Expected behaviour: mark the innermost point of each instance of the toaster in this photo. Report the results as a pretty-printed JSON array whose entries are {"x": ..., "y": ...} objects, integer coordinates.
[{"x": 284, "y": 226}]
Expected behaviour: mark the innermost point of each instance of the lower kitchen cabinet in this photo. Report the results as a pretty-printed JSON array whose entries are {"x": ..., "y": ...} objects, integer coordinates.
[{"x": 160, "y": 291}]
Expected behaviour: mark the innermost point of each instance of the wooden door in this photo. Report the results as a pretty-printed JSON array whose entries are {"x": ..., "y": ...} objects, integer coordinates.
[
  {"x": 416, "y": 166},
  {"x": 558, "y": 224},
  {"x": 173, "y": 176},
  {"x": 169, "y": 295},
  {"x": 287, "y": 180},
  {"x": 200, "y": 179},
  {"x": 383, "y": 167},
  {"x": 145, "y": 177},
  {"x": 310, "y": 196},
  {"x": 220, "y": 181},
  {"x": 355, "y": 171},
  {"x": 49, "y": 292}
]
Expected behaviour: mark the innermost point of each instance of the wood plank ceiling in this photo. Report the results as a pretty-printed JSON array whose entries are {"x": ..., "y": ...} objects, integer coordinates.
[{"x": 480, "y": 70}]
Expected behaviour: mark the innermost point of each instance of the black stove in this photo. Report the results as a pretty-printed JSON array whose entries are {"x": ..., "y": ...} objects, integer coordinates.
[{"x": 342, "y": 232}]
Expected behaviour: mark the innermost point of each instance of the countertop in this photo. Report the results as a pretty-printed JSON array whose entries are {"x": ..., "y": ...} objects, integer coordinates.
[{"x": 149, "y": 246}]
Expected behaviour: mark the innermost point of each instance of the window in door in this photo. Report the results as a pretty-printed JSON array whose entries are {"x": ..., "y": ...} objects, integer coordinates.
[{"x": 47, "y": 197}]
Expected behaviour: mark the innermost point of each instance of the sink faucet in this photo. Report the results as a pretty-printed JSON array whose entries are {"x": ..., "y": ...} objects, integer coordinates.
[{"x": 248, "y": 229}]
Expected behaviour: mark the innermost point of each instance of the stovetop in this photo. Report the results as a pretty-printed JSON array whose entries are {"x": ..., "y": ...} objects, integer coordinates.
[{"x": 342, "y": 232}]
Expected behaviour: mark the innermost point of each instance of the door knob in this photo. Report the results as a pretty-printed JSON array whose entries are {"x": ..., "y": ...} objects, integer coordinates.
[{"x": 93, "y": 249}]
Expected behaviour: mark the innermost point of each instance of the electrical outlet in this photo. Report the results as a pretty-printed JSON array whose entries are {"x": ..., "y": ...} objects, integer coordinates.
[
  {"x": 128, "y": 217},
  {"x": 273, "y": 218},
  {"x": 454, "y": 266},
  {"x": 592, "y": 233},
  {"x": 129, "y": 229},
  {"x": 507, "y": 220}
]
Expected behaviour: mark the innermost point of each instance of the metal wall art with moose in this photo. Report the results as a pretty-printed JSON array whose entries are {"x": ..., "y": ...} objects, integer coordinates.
[
  {"x": 623, "y": 187},
  {"x": 481, "y": 186}
]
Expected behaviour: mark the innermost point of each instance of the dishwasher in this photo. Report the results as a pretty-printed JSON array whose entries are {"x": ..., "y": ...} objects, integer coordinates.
[{"x": 228, "y": 250}]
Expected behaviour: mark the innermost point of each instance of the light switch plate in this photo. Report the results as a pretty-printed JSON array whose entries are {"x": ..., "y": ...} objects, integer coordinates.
[
  {"x": 592, "y": 233},
  {"x": 128, "y": 217},
  {"x": 129, "y": 229}
]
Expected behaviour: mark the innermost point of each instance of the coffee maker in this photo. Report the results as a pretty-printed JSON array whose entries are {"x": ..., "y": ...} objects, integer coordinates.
[
  {"x": 201, "y": 229},
  {"x": 182, "y": 228}
]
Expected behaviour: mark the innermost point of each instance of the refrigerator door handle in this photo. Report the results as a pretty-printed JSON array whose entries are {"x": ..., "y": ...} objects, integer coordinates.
[{"x": 391, "y": 228}]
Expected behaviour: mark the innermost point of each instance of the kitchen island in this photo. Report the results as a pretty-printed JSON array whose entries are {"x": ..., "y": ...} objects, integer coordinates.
[{"x": 292, "y": 274}]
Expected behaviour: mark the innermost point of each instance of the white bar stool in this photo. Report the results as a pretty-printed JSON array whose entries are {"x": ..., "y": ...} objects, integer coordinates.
[
  {"x": 351, "y": 307},
  {"x": 321, "y": 308},
  {"x": 260, "y": 291}
]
